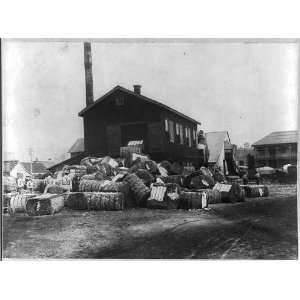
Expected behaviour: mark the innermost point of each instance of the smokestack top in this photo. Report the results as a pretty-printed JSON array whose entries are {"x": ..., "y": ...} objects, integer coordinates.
[{"x": 137, "y": 89}]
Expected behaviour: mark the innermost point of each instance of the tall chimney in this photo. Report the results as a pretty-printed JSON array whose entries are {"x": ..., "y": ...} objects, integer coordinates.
[
  {"x": 88, "y": 74},
  {"x": 137, "y": 89}
]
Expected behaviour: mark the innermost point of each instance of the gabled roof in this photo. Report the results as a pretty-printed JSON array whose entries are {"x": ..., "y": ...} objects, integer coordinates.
[
  {"x": 278, "y": 137},
  {"x": 215, "y": 144},
  {"x": 8, "y": 165},
  {"x": 70, "y": 161},
  {"x": 122, "y": 89},
  {"x": 37, "y": 167},
  {"x": 78, "y": 146}
]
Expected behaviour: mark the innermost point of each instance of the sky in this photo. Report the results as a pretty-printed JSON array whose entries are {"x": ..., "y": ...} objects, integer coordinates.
[{"x": 248, "y": 89}]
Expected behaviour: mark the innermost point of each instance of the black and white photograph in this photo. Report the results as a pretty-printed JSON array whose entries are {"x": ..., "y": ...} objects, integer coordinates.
[{"x": 149, "y": 149}]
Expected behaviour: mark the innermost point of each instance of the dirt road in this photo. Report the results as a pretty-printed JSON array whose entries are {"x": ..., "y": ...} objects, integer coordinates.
[{"x": 262, "y": 228}]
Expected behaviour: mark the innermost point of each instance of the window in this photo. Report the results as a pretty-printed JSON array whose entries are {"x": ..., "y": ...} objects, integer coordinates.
[
  {"x": 177, "y": 129},
  {"x": 171, "y": 131},
  {"x": 181, "y": 134},
  {"x": 283, "y": 149},
  {"x": 186, "y": 136},
  {"x": 189, "y": 137},
  {"x": 194, "y": 135},
  {"x": 166, "y": 125},
  {"x": 120, "y": 101}
]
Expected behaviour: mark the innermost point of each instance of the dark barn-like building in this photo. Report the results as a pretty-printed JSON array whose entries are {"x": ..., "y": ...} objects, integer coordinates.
[{"x": 122, "y": 115}]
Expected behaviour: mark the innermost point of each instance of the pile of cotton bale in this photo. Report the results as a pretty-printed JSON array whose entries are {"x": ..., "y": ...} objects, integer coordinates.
[{"x": 134, "y": 180}]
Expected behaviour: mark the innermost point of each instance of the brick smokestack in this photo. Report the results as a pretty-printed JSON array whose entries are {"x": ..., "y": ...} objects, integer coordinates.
[{"x": 88, "y": 74}]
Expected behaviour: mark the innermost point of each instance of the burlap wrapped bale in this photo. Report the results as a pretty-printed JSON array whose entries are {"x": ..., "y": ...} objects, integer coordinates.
[
  {"x": 230, "y": 193},
  {"x": 140, "y": 191},
  {"x": 17, "y": 202},
  {"x": 121, "y": 162},
  {"x": 55, "y": 189},
  {"x": 236, "y": 193},
  {"x": 121, "y": 187},
  {"x": 89, "y": 177},
  {"x": 105, "y": 169},
  {"x": 214, "y": 196},
  {"x": 193, "y": 200},
  {"x": 176, "y": 168},
  {"x": 178, "y": 179},
  {"x": 100, "y": 176},
  {"x": 126, "y": 154},
  {"x": 107, "y": 160},
  {"x": 91, "y": 169},
  {"x": 95, "y": 160},
  {"x": 86, "y": 162},
  {"x": 157, "y": 196},
  {"x": 252, "y": 191},
  {"x": 91, "y": 185},
  {"x": 138, "y": 164},
  {"x": 164, "y": 196},
  {"x": 150, "y": 166},
  {"x": 145, "y": 176},
  {"x": 197, "y": 180},
  {"x": 106, "y": 201},
  {"x": 77, "y": 201},
  {"x": 166, "y": 165},
  {"x": 46, "y": 204}
]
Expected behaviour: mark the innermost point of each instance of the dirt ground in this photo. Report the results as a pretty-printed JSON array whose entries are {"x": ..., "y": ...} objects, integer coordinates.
[{"x": 260, "y": 228}]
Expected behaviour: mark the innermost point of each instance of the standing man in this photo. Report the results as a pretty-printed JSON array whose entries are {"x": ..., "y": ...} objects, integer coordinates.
[
  {"x": 20, "y": 184},
  {"x": 30, "y": 185}
]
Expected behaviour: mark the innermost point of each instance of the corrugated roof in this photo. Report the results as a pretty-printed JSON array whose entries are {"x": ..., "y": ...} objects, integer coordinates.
[
  {"x": 78, "y": 146},
  {"x": 279, "y": 137},
  {"x": 81, "y": 113},
  {"x": 215, "y": 143}
]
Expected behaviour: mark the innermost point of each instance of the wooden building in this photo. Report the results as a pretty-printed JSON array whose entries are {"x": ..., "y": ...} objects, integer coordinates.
[
  {"x": 122, "y": 115},
  {"x": 277, "y": 149}
]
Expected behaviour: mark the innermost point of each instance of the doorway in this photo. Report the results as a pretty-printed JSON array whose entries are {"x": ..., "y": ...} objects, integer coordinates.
[{"x": 134, "y": 132}]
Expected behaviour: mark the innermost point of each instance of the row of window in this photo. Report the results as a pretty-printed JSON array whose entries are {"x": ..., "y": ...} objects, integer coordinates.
[{"x": 180, "y": 134}]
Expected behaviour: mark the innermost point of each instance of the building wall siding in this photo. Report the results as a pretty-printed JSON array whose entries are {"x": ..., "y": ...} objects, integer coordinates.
[{"x": 103, "y": 127}]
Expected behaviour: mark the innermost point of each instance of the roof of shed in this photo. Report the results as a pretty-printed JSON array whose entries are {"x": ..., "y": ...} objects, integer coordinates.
[
  {"x": 78, "y": 146},
  {"x": 122, "y": 89},
  {"x": 215, "y": 143},
  {"x": 278, "y": 137}
]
